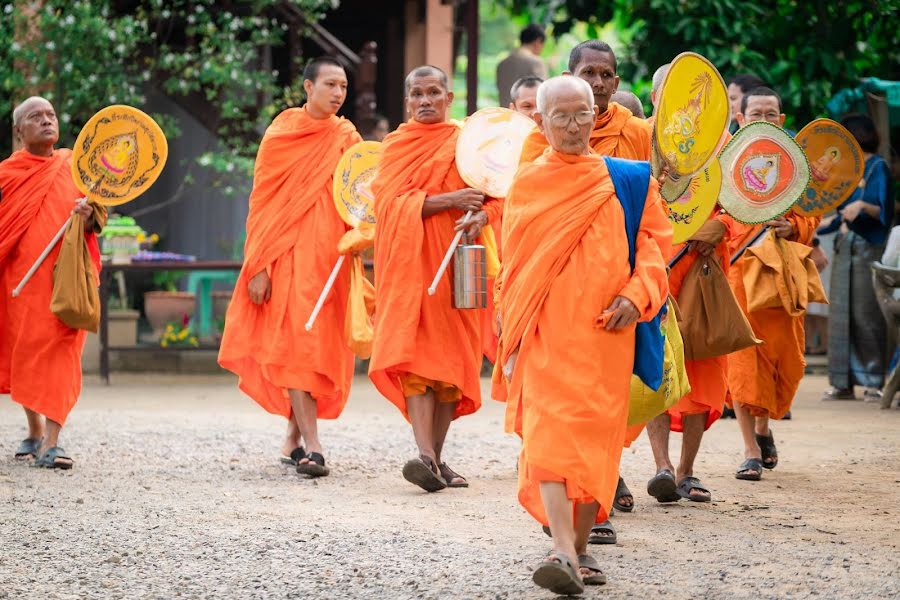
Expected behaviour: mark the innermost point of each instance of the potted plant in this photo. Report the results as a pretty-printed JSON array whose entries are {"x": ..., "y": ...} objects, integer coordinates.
[{"x": 166, "y": 304}]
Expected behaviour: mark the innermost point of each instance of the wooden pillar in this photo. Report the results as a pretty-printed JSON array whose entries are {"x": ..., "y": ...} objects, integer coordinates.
[
  {"x": 366, "y": 74},
  {"x": 472, "y": 56}
]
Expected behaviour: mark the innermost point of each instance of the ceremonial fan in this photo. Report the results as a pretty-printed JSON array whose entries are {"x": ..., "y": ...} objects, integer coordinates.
[
  {"x": 353, "y": 200},
  {"x": 118, "y": 155},
  {"x": 487, "y": 157}
]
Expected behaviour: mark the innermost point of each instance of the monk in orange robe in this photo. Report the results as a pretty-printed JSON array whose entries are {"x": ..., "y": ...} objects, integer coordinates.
[
  {"x": 40, "y": 357},
  {"x": 426, "y": 356},
  {"x": 762, "y": 381},
  {"x": 617, "y": 132},
  {"x": 293, "y": 231},
  {"x": 566, "y": 294}
]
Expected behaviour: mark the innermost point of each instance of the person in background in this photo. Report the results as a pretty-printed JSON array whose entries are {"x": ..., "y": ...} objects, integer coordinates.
[
  {"x": 857, "y": 333},
  {"x": 523, "y": 95},
  {"x": 738, "y": 86},
  {"x": 522, "y": 62},
  {"x": 374, "y": 128},
  {"x": 629, "y": 101}
]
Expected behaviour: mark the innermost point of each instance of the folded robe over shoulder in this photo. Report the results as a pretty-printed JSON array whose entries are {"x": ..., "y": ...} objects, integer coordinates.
[
  {"x": 40, "y": 357},
  {"x": 293, "y": 232},
  {"x": 414, "y": 332},
  {"x": 565, "y": 261}
]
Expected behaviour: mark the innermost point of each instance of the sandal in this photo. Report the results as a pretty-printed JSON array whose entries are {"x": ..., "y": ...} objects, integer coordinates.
[
  {"x": 621, "y": 492},
  {"x": 839, "y": 394},
  {"x": 768, "y": 449},
  {"x": 48, "y": 459},
  {"x": 297, "y": 454},
  {"x": 689, "y": 484},
  {"x": 28, "y": 449},
  {"x": 559, "y": 576},
  {"x": 662, "y": 487},
  {"x": 604, "y": 533},
  {"x": 423, "y": 472},
  {"x": 873, "y": 395},
  {"x": 450, "y": 476},
  {"x": 315, "y": 467},
  {"x": 597, "y": 577},
  {"x": 750, "y": 470}
]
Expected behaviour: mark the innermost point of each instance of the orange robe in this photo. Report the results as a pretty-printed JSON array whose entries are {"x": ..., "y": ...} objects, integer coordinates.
[
  {"x": 565, "y": 260},
  {"x": 418, "y": 334},
  {"x": 765, "y": 378},
  {"x": 293, "y": 231},
  {"x": 616, "y": 133},
  {"x": 40, "y": 357}
]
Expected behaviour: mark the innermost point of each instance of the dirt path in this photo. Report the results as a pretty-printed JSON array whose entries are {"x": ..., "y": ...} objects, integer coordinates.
[{"x": 177, "y": 492}]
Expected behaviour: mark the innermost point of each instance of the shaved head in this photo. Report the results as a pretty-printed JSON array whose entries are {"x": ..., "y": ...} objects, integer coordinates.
[
  {"x": 629, "y": 101},
  {"x": 658, "y": 77},
  {"x": 556, "y": 86},
  {"x": 427, "y": 71},
  {"x": 22, "y": 109}
]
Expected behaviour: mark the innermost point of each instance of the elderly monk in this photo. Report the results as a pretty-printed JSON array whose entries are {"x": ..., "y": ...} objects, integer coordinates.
[
  {"x": 763, "y": 380},
  {"x": 523, "y": 95},
  {"x": 567, "y": 294},
  {"x": 617, "y": 132},
  {"x": 40, "y": 357},
  {"x": 630, "y": 101},
  {"x": 426, "y": 356},
  {"x": 293, "y": 231},
  {"x": 655, "y": 87}
]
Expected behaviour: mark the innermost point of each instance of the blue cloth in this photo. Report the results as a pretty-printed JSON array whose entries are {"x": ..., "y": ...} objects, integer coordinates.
[
  {"x": 877, "y": 191},
  {"x": 631, "y": 178}
]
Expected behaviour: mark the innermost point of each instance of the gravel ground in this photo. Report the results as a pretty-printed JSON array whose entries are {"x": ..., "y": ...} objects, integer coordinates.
[{"x": 177, "y": 492}]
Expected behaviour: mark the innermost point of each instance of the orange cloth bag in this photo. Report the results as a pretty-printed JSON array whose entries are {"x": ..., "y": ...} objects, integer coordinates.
[
  {"x": 781, "y": 274},
  {"x": 75, "y": 300},
  {"x": 358, "y": 324}
]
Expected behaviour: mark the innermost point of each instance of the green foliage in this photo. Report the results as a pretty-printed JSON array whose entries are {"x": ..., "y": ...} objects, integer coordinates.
[
  {"x": 807, "y": 51},
  {"x": 84, "y": 55},
  {"x": 167, "y": 281}
]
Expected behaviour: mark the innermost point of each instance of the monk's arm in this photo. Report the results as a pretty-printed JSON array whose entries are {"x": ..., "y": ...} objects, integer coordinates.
[
  {"x": 465, "y": 200},
  {"x": 804, "y": 227},
  {"x": 494, "y": 209},
  {"x": 648, "y": 287}
]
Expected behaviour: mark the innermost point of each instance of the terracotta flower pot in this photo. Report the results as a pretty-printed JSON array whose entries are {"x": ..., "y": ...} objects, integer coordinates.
[
  {"x": 167, "y": 307},
  {"x": 220, "y": 302}
]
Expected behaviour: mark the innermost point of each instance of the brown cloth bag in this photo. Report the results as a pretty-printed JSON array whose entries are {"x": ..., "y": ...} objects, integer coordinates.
[
  {"x": 712, "y": 322},
  {"x": 75, "y": 300},
  {"x": 781, "y": 274}
]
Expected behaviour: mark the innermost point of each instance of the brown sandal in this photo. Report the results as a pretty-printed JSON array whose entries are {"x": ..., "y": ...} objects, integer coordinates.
[
  {"x": 449, "y": 475},
  {"x": 423, "y": 472}
]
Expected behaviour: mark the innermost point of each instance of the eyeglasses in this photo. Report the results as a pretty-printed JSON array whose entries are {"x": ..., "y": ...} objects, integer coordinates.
[{"x": 563, "y": 119}]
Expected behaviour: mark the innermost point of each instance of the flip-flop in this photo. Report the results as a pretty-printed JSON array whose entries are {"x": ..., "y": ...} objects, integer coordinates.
[
  {"x": 662, "y": 487},
  {"x": 622, "y": 490},
  {"x": 754, "y": 465},
  {"x": 28, "y": 449},
  {"x": 596, "y": 536},
  {"x": 449, "y": 475},
  {"x": 315, "y": 467},
  {"x": 597, "y": 577},
  {"x": 297, "y": 454},
  {"x": 48, "y": 459},
  {"x": 839, "y": 394},
  {"x": 767, "y": 448},
  {"x": 422, "y": 473},
  {"x": 558, "y": 577},
  {"x": 692, "y": 483}
]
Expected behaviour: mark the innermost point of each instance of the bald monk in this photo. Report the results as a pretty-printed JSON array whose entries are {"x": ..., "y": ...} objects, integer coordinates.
[
  {"x": 40, "y": 357},
  {"x": 426, "y": 356},
  {"x": 293, "y": 231},
  {"x": 763, "y": 380},
  {"x": 566, "y": 294},
  {"x": 655, "y": 87},
  {"x": 629, "y": 101},
  {"x": 523, "y": 95},
  {"x": 617, "y": 132}
]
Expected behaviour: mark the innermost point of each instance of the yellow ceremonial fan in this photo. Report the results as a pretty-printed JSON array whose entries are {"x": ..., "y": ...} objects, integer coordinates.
[
  {"x": 836, "y": 165},
  {"x": 693, "y": 113},
  {"x": 489, "y": 147},
  {"x": 118, "y": 155},
  {"x": 690, "y": 211},
  {"x": 353, "y": 178}
]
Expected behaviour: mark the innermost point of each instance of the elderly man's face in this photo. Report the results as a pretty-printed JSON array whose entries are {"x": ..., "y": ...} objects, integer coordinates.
[
  {"x": 568, "y": 121},
  {"x": 38, "y": 126},
  {"x": 526, "y": 101},
  {"x": 427, "y": 100}
]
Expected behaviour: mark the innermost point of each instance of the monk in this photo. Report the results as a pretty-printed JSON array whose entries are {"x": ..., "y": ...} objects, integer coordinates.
[
  {"x": 293, "y": 231},
  {"x": 617, "y": 132},
  {"x": 630, "y": 101},
  {"x": 426, "y": 356},
  {"x": 523, "y": 95},
  {"x": 655, "y": 88},
  {"x": 763, "y": 380},
  {"x": 567, "y": 294},
  {"x": 40, "y": 357}
]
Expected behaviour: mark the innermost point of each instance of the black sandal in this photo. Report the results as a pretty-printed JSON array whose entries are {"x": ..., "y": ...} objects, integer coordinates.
[
  {"x": 622, "y": 491},
  {"x": 662, "y": 487},
  {"x": 768, "y": 449},
  {"x": 315, "y": 467},
  {"x": 588, "y": 562},
  {"x": 692, "y": 483},
  {"x": 449, "y": 475},
  {"x": 28, "y": 449},
  {"x": 423, "y": 472},
  {"x": 559, "y": 576},
  {"x": 297, "y": 454},
  {"x": 750, "y": 470},
  {"x": 604, "y": 533}
]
